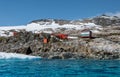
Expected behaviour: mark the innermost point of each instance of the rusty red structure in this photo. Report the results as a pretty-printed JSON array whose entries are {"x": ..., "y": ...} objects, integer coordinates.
[{"x": 61, "y": 36}]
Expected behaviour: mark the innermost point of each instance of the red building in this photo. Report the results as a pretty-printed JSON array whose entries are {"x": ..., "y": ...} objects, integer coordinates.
[{"x": 61, "y": 36}]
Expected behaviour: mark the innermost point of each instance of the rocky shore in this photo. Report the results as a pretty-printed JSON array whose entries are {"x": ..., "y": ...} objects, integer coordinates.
[{"x": 31, "y": 44}]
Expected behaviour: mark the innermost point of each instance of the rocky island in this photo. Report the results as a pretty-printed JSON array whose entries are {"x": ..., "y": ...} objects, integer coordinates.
[{"x": 65, "y": 38}]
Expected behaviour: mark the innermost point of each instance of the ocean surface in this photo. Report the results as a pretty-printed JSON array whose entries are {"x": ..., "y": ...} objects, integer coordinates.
[{"x": 59, "y": 68}]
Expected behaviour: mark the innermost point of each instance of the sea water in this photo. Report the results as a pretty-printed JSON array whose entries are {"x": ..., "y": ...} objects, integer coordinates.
[{"x": 59, "y": 68}]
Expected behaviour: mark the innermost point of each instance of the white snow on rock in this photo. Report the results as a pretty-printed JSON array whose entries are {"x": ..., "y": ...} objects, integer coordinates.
[
  {"x": 35, "y": 26},
  {"x": 4, "y": 29}
]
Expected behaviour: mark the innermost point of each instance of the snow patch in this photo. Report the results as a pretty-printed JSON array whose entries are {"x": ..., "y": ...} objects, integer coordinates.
[{"x": 4, "y": 55}]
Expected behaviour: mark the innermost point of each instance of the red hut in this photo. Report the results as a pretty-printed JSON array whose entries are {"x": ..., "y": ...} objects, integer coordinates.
[
  {"x": 45, "y": 40},
  {"x": 61, "y": 36}
]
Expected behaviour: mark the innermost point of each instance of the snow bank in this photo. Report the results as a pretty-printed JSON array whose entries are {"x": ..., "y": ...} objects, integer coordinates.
[
  {"x": 4, "y": 55},
  {"x": 37, "y": 27}
]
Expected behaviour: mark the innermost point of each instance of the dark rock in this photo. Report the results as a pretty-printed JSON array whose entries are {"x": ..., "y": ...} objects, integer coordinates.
[
  {"x": 67, "y": 55},
  {"x": 29, "y": 51},
  {"x": 55, "y": 57}
]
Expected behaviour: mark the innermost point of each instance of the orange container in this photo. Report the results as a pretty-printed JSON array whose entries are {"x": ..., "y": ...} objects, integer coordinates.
[{"x": 45, "y": 40}]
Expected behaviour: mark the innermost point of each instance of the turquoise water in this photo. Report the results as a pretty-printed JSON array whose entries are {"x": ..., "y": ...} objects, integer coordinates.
[{"x": 59, "y": 68}]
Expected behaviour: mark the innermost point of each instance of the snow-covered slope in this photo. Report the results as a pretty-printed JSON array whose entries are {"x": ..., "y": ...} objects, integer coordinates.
[{"x": 51, "y": 24}]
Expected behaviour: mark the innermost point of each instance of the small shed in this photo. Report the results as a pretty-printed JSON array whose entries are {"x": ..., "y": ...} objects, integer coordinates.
[
  {"x": 86, "y": 33},
  {"x": 45, "y": 40},
  {"x": 46, "y": 37}
]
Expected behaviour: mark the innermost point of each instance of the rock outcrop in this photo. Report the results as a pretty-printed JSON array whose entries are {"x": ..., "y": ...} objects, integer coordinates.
[{"x": 31, "y": 44}]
